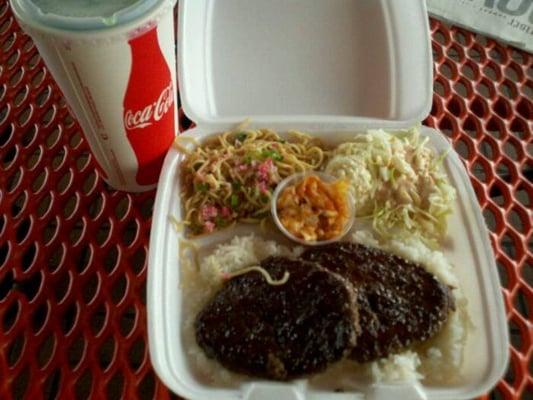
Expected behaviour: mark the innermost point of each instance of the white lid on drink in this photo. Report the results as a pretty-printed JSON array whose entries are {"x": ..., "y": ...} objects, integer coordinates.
[{"x": 81, "y": 15}]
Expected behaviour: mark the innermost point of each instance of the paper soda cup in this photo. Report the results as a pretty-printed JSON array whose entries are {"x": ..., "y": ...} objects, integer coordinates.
[{"x": 115, "y": 63}]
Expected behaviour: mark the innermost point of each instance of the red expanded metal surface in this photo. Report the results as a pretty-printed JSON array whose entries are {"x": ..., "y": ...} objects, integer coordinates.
[{"x": 73, "y": 252}]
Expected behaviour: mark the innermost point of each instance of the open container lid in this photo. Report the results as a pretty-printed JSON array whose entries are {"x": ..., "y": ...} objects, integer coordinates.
[{"x": 356, "y": 63}]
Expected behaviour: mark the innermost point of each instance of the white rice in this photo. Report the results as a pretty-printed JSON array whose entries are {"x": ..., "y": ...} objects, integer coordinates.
[{"x": 436, "y": 361}]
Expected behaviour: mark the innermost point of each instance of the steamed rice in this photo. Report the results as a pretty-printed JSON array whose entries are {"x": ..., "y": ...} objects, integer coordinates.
[{"x": 438, "y": 360}]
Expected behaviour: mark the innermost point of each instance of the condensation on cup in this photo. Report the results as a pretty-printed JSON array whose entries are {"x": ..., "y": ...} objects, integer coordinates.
[{"x": 114, "y": 60}]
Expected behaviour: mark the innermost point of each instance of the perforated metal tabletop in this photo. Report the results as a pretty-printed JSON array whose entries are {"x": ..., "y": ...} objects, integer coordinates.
[{"x": 73, "y": 251}]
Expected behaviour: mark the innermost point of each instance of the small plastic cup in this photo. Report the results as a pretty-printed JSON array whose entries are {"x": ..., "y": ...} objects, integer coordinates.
[{"x": 294, "y": 179}]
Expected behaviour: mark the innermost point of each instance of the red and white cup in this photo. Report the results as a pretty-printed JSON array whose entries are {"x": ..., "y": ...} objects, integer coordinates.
[{"x": 119, "y": 79}]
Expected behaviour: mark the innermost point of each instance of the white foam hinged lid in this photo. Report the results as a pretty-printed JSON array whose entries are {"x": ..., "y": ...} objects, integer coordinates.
[{"x": 352, "y": 62}]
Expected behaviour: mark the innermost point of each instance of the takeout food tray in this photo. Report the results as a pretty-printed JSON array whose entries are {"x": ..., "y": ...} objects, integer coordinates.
[{"x": 331, "y": 86}]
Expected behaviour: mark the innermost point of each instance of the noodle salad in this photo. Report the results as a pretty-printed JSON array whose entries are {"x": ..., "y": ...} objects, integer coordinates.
[{"x": 232, "y": 177}]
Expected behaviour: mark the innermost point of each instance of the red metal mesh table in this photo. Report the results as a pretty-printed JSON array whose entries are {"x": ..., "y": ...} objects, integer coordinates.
[{"x": 73, "y": 252}]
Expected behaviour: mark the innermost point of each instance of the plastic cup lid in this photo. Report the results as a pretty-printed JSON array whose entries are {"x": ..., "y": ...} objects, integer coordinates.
[{"x": 82, "y": 15}]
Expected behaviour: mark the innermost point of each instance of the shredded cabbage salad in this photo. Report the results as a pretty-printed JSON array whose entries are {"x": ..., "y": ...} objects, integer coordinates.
[{"x": 398, "y": 182}]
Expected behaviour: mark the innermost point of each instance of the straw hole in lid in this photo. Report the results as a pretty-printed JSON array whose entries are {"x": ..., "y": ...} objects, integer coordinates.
[
  {"x": 19, "y": 385},
  {"x": 84, "y": 384},
  {"x": 28, "y": 256},
  {"x": 146, "y": 388},
  {"x": 90, "y": 289},
  {"x": 84, "y": 258},
  {"x": 111, "y": 260},
  {"x": 15, "y": 349},
  {"x": 52, "y": 384},
  {"x": 40, "y": 317},
  {"x": 56, "y": 258},
  {"x": 75, "y": 352},
  {"x": 115, "y": 387}
]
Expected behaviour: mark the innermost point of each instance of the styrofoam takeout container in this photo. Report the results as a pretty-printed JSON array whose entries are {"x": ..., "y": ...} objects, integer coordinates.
[{"x": 330, "y": 68}]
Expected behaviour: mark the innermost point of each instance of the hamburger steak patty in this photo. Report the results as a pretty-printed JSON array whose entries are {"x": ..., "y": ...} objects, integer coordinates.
[
  {"x": 399, "y": 302},
  {"x": 284, "y": 331}
]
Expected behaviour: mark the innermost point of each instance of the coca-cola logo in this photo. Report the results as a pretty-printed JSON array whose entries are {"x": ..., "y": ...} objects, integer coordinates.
[{"x": 152, "y": 112}]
